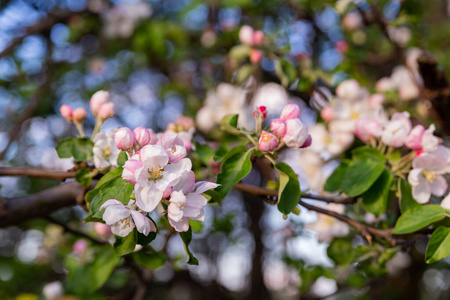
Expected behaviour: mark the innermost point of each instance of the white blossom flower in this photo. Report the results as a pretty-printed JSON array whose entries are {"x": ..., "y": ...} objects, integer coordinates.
[
  {"x": 426, "y": 176},
  {"x": 184, "y": 206},
  {"x": 105, "y": 151},
  {"x": 124, "y": 218},
  {"x": 156, "y": 175}
]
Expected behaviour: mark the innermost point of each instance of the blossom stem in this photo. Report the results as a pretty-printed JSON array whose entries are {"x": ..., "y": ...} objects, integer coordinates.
[
  {"x": 79, "y": 127},
  {"x": 269, "y": 157},
  {"x": 251, "y": 139},
  {"x": 98, "y": 125}
]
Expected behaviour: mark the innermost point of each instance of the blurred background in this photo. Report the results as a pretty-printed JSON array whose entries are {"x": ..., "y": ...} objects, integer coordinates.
[{"x": 163, "y": 59}]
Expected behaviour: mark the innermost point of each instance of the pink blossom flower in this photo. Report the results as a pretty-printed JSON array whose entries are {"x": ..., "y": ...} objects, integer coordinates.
[
  {"x": 429, "y": 142},
  {"x": 124, "y": 138},
  {"x": 327, "y": 113},
  {"x": 173, "y": 145},
  {"x": 97, "y": 100},
  {"x": 246, "y": 35},
  {"x": 267, "y": 142},
  {"x": 414, "y": 139},
  {"x": 290, "y": 111},
  {"x": 278, "y": 127},
  {"x": 348, "y": 89},
  {"x": 79, "y": 247},
  {"x": 129, "y": 169},
  {"x": 79, "y": 114},
  {"x": 366, "y": 128},
  {"x": 144, "y": 136},
  {"x": 102, "y": 229},
  {"x": 258, "y": 38},
  {"x": 296, "y": 133},
  {"x": 396, "y": 130},
  {"x": 66, "y": 111},
  {"x": 106, "y": 111},
  {"x": 255, "y": 56},
  {"x": 124, "y": 218},
  {"x": 184, "y": 206}
]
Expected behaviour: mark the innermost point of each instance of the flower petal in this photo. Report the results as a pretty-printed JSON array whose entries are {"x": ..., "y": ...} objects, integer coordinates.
[
  {"x": 123, "y": 228},
  {"x": 421, "y": 192},
  {"x": 439, "y": 186},
  {"x": 147, "y": 197},
  {"x": 203, "y": 186},
  {"x": 180, "y": 226},
  {"x": 115, "y": 213}
]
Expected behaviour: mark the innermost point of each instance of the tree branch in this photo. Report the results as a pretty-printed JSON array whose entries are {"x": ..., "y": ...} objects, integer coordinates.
[
  {"x": 35, "y": 172},
  {"x": 20, "y": 209}
]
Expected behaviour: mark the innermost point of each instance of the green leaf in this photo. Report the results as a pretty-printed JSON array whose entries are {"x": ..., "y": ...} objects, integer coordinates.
[
  {"x": 149, "y": 259},
  {"x": 289, "y": 190},
  {"x": 187, "y": 237},
  {"x": 418, "y": 217},
  {"x": 103, "y": 266},
  {"x": 123, "y": 157},
  {"x": 78, "y": 148},
  {"x": 334, "y": 182},
  {"x": 117, "y": 188},
  {"x": 229, "y": 123},
  {"x": 243, "y": 73},
  {"x": 365, "y": 152},
  {"x": 127, "y": 244},
  {"x": 235, "y": 166},
  {"x": 439, "y": 245},
  {"x": 406, "y": 200},
  {"x": 375, "y": 200},
  {"x": 221, "y": 153},
  {"x": 341, "y": 252},
  {"x": 285, "y": 72},
  {"x": 239, "y": 52},
  {"x": 360, "y": 176},
  {"x": 83, "y": 176},
  {"x": 204, "y": 153}
]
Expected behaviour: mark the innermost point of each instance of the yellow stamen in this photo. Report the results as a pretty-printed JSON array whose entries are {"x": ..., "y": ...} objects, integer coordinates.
[{"x": 430, "y": 176}]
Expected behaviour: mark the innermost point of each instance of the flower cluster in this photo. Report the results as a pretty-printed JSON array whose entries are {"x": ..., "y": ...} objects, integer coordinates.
[
  {"x": 287, "y": 129},
  {"x": 253, "y": 38},
  {"x": 160, "y": 172}
]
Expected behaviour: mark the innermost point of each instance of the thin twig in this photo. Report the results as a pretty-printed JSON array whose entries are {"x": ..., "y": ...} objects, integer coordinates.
[{"x": 35, "y": 172}]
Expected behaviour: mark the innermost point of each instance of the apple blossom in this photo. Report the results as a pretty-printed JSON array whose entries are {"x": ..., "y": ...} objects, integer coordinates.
[
  {"x": 156, "y": 175},
  {"x": 429, "y": 142},
  {"x": 124, "y": 218},
  {"x": 367, "y": 128},
  {"x": 397, "y": 130},
  {"x": 184, "y": 206},
  {"x": 296, "y": 133},
  {"x": 129, "y": 169},
  {"x": 53, "y": 290},
  {"x": 267, "y": 142},
  {"x": 261, "y": 111},
  {"x": 258, "y": 38},
  {"x": 246, "y": 35},
  {"x": 144, "y": 136},
  {"x": 102, "y": 229},
  {"x": 79, "y": 114},
  {"x": 97, "y": 100},
  {"x": 414, "y": 139},
  {"x": 173, "y": 145},
  {"x": 79, "y": 247},
  {"x": 446, "y": 202},
  {"x": 66, "y": 111},
  {"x": 426, "y": 176},
  {"x": 105, "y": 151},
  {"x": 327, "y": 113},
  {"x": 255, "y": 56},
  {"x": 106, "y": 111},
  {"x": 278, "y": 127},
  {"x": 290, "y": 111},
  {"x": 124, "y": 138},
  {"x": 348, "y": 89}
]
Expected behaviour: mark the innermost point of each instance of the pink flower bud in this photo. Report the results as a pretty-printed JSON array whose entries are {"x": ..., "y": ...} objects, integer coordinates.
[
  {"x": 267, "y": 142},
  {"x": 414, "y": 139},
  {"x": 278, "y": 127},
  {"x": 308, "y": 142},
  {"x": 376, "y": 100},
  {"x": 258, "y": 38},
  {"x": 102, "y": 229},
  {"x": 396, "y": 130},
  {"x": 290, "y": 111},
  {"x": 261, "y": 111},
  {"x": 124, "y": 138},
  {"x": 66, "y": 111},
  {"x": 79, "y": 114},
  {"x": 385, "y": 84},
  {"x": 106, "y": 111},
  {"x": 129, "y": 169},
  {"x": 79, "y": 247},
  {"x": 419, "y": 152},
  {"x": 97, "y": 100},
  {"x": 144, "y": 136},
  {"x": 296, "y": 133},
  {"x": 366, "y": 128},
  {"x": 167, "y": 192},
  {"x": 255, "y": 56},
  {"x": 327, "y": 114},
  {"x": 246, "y": 35},
  {"x": 341, "y": 46},
  {"x": 348, "y": 89}
]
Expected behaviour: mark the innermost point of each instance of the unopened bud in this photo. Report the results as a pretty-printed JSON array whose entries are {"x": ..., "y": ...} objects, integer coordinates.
[
  {"x": 255, "y": 56},
  {"x": 124, "y": 138},
  {"x": 278, "y": 127},
  {"x": 267, "y": 142},
  {"x": 258, "y": 38},
  {"x": 290, "y": 111},
  {"x": 246, "y": 35},
  {"x": 79, "y": 114},
  {"x": 106, "y": 111},
  {"x": 67, "y": 112},
  {"x": 97, "y": 100}
]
